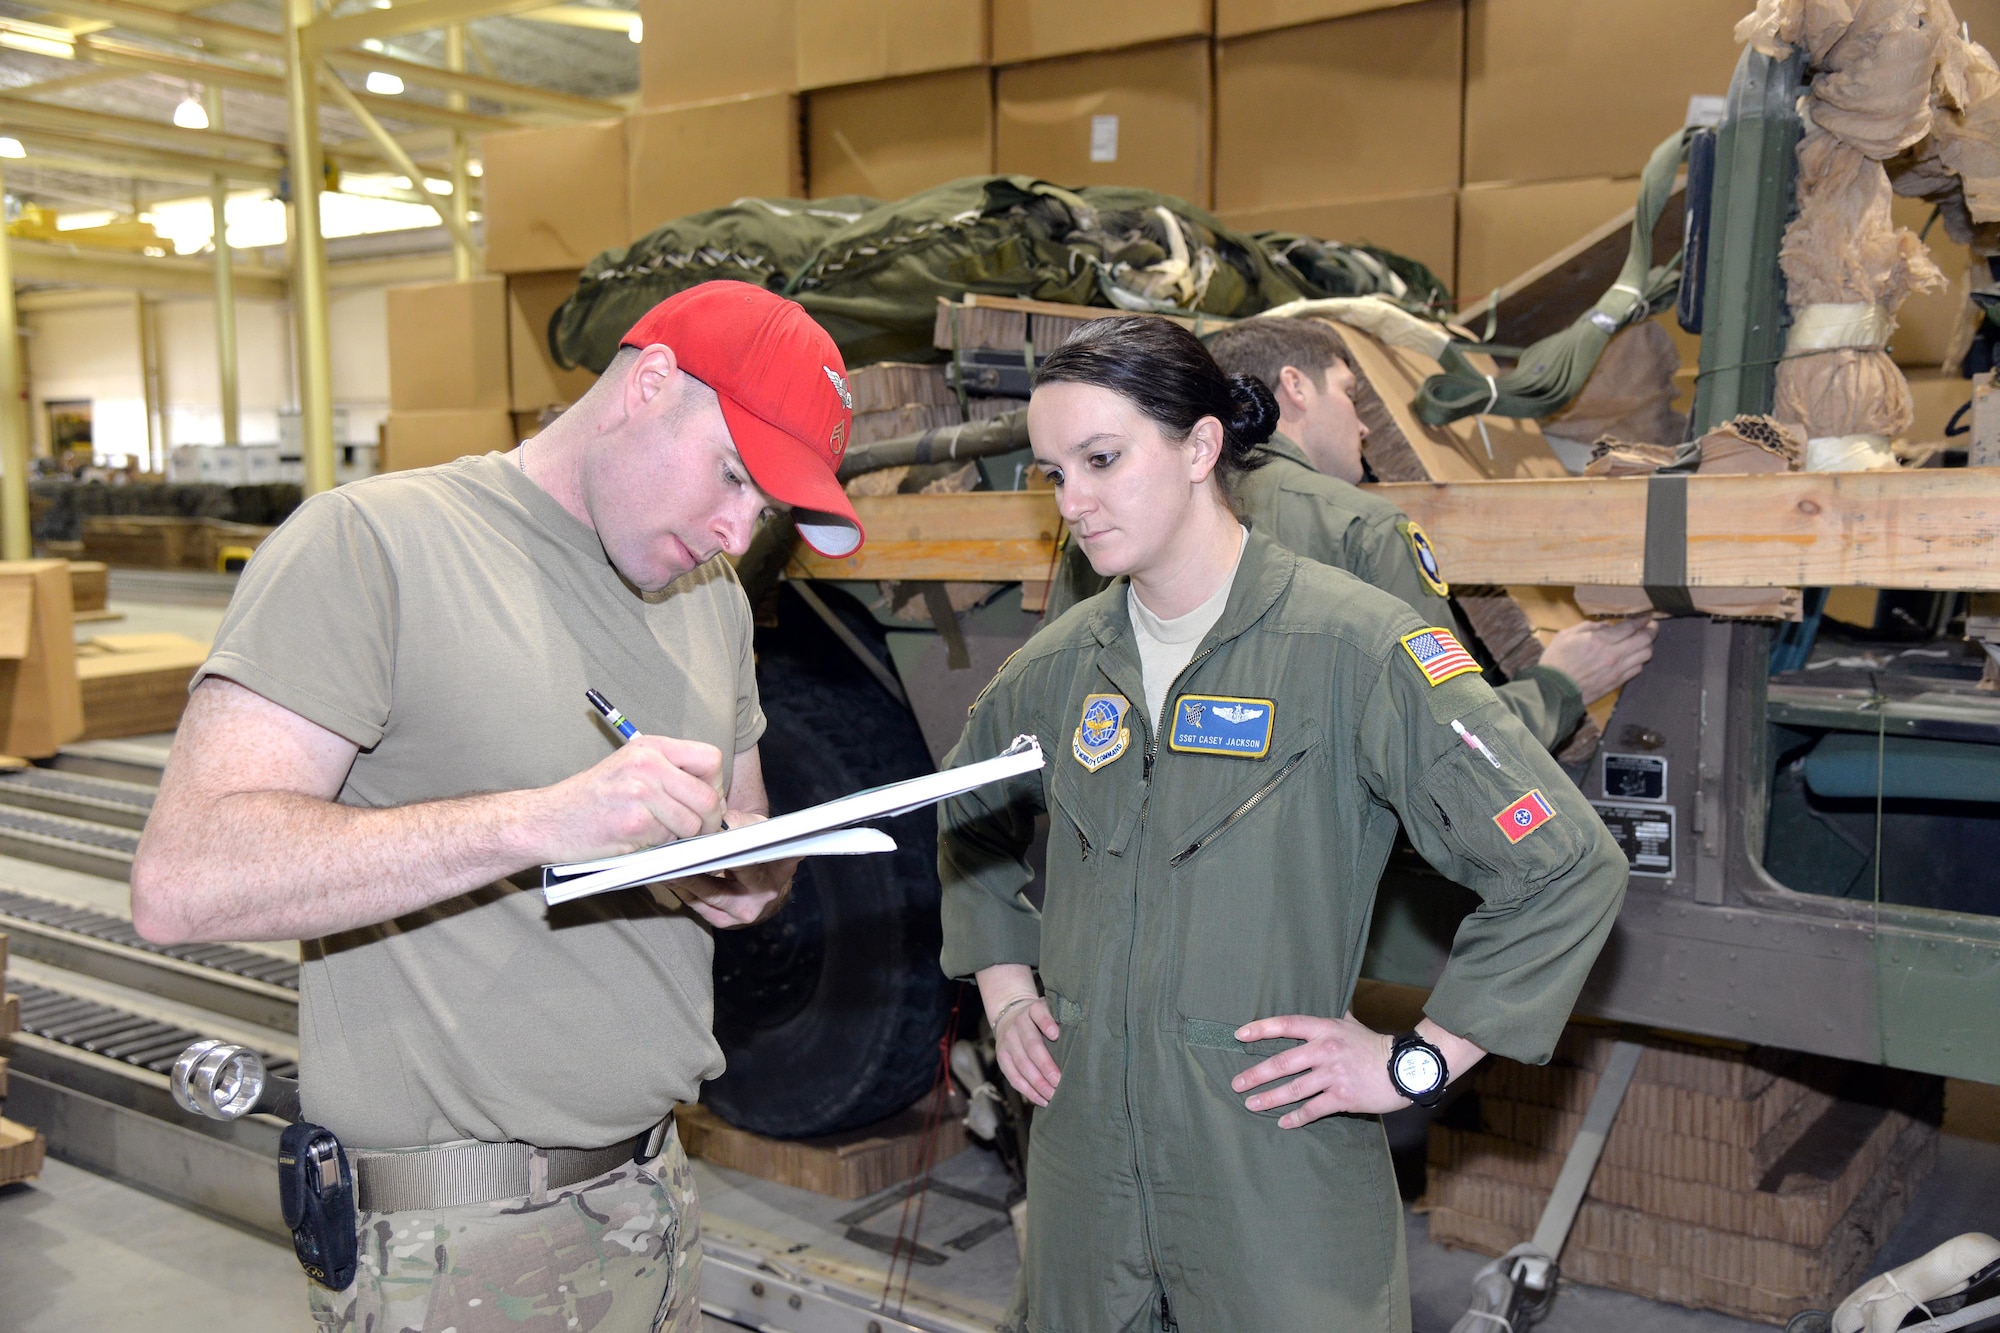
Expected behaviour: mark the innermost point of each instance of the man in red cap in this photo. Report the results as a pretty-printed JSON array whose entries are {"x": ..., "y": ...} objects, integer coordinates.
[{"x": 392, "y": 734}]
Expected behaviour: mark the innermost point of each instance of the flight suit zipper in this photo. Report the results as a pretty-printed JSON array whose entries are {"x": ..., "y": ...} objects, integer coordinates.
[
  {"x": 1255, "y": 798},
  {"x": 1138, "y": 863}
]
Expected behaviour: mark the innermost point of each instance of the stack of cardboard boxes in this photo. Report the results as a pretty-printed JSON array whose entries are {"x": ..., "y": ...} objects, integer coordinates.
[
  {"x": 1753, "y": 1182},
  {"x": 21, "y": 1148}
]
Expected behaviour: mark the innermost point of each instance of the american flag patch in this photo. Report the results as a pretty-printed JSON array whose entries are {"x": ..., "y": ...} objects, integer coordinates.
[
  {"x": 1523, "y": 817},
  {"x": 1438, "y": 655}
]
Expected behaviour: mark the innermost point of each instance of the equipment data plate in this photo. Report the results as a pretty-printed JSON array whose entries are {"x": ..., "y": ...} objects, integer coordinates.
[
  {"x": 1635, "y": 777},
  {"x": 1645, "y": 833}
]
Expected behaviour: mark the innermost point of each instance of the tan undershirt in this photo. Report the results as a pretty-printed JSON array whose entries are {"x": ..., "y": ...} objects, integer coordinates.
[{"x": 1165, "y": 646}]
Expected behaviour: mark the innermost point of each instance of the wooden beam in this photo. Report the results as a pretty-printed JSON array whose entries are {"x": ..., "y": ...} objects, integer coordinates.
[
  {"x": 414, "y": 16},
  {"x": 977, "y": 536},
  {"x": 1923, "y": 528}
]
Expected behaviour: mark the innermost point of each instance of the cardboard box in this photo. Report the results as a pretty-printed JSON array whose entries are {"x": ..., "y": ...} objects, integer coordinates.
[
  {"x": 1505, "y": 230},
  {"x": 1925, "y": 323},
  {"x": 854, "y": 41},
  {"x": 1233, "y": 18},
  {"x": 1355, "y": 108},
  {"x": 1130, "y": 118},
  {"x": 1035, "y": 29},
  {"x": 696, "y": 53},
  {"x": 1422, "y": 226},
  {"x": 1936, "y": 397},
  {"x": 1563, "y": 88},
  {"x": 424, "y": 439},
  {"x": 448, "y": 345},
  {"x": 535, "y": 378},
  {"x": 40, "y": 704},
  {"x": 896, "y": 138},
  {"x": 555, "y": 198},
  {"x": 684, "y": 159}
]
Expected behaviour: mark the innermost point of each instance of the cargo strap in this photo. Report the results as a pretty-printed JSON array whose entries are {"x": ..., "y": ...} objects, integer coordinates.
[
  {"x": 1664, "y": 575},
  {"x": 425, "y": 1179}
]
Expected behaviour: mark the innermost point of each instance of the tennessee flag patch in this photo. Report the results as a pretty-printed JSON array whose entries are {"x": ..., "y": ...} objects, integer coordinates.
[
  {"x": 1438, "y": 654},
  {"x": 1523, "y": 817}
]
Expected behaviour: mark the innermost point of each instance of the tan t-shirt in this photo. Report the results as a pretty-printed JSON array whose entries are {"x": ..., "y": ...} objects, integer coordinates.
[{"x": 447, "y": 621}]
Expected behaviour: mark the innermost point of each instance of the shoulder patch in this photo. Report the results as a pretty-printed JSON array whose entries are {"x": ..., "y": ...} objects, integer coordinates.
[
  {"x": 1526, "y": 815},
  {"x": 1438, "y": 654},
  {"x": 1101, "y": 734},
  {"x": 1426, "y": 558}
]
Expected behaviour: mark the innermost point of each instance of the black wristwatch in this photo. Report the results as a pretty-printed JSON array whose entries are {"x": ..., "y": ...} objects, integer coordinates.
[{"x": 1417, "y": 1070}]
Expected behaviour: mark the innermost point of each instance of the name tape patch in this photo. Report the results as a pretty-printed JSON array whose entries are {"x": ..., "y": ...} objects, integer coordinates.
[
  {"x": 1101, "y": 735},
  {"x": 1222, "y": 724},
  {"x": 1438, "y": 654},
  {"x": 1526, "y": 815}
]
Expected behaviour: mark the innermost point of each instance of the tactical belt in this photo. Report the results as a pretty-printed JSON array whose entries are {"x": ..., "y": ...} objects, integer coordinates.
[{"x": 424, "y": 1179}]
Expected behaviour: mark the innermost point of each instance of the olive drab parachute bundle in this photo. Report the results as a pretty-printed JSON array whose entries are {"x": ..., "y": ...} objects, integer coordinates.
[
  {"x": 761, "y": 241},
  {"x": 871, "y": 273}
]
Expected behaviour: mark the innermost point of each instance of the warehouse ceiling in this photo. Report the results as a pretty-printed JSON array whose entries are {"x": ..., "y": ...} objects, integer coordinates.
[{"x": 592, "y": 62}]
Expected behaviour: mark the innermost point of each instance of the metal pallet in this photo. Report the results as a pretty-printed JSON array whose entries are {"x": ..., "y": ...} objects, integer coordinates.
[{"x": 78, "y": 796}]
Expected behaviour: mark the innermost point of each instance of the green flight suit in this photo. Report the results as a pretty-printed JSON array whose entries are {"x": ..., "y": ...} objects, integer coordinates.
[
  {"x": 1190, "y": 892},
  {"x": 1325, "y": 519}
]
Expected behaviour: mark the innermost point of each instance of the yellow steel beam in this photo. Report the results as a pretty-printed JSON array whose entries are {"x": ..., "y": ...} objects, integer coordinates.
[
  {"x": 24, "y": 113},
  {"x": 80, "y": 266},
  {"x": 462, "y": 254},
  {"x": 413, "y": 16},
  {"x": 16, "y": 542},
  {"x": 123, "y": 55},
  {"x": 83, "y": 152},
  {"x": 386, "y": 141},
  {"x": 309, "y": 286},
  {"x": 585, "y": 16},
  {"x": 225, "y": 291},
  {"x": 215, "y": 35}
]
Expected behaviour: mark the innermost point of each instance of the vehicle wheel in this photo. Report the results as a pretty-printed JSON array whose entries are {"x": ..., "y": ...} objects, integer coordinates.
[{"x": 830, "y": 1013}]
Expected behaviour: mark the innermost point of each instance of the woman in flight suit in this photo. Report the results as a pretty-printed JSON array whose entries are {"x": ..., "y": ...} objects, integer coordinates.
[{"x": 1233, "y": 736}]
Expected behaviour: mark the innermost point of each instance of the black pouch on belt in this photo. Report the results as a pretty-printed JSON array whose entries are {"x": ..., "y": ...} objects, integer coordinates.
[{"x": 316, "y": 1195}]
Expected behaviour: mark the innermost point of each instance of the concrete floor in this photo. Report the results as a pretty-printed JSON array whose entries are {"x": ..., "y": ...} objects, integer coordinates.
[{"x": 79, "y": 1251}]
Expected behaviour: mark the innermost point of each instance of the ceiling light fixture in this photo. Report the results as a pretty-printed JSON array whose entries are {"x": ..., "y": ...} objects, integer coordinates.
[
  {"x": 12, "y": 148},
  {"x": 191, "y": 115},
  {"x": 637, "y": 32},
  {"x": 384, "y": 84}
]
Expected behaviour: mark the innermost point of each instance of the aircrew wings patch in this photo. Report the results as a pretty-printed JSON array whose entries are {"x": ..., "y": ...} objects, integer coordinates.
[
  {"x": 1438, "y": 654},
  {"x": 1526, "y": 815}
]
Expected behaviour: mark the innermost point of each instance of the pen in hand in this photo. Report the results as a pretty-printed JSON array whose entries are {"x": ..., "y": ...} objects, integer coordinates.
[{"x": 617, "y": 720}]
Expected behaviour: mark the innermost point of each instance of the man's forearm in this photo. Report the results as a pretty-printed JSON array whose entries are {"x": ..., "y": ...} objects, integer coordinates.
[{"x": 279, "y": 865}]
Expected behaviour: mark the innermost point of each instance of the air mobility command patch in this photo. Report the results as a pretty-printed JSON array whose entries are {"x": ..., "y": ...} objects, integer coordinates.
[
  {"x": 1220, "y": 724},
  {"x": 1426, "y": 558},
  {"x": 1102, "y": 734},
  {"x": 1526, "y": 815},
  {"x": 1438, "y": 654}
]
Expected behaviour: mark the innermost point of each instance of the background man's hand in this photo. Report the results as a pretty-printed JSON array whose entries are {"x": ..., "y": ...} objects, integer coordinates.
[
  {"x": 651, "y": 790},
  {"x": 1601, "y": 655},
  {"x": 735, "y": 898}
]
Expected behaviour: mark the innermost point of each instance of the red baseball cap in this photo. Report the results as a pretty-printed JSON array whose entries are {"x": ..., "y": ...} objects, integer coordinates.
[{"x": 784, "y": 395}]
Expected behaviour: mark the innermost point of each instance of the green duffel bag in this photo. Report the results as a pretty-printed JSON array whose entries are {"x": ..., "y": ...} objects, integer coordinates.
[{"x": 763, "y": 241}]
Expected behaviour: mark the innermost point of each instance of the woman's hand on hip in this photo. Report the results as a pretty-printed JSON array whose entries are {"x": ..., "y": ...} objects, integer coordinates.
[
  {"x": 1341, "y": 1065},
  {"x": 1021, "y": 1037}
]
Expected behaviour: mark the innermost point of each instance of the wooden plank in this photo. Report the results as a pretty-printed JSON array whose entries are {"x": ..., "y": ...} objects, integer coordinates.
[
  {"x": 1457, "y": 452},
  {"x": 979, "y": 536},
  {"x": 89, "y": 585},
  {"x": 21, "y": 1150},
  {"x": 1929, "y": 528},
  {"x": 845, "y": 1166}
]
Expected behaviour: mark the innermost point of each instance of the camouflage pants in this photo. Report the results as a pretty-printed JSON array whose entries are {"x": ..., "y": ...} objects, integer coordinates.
[{"x": 617, "y": 1254}]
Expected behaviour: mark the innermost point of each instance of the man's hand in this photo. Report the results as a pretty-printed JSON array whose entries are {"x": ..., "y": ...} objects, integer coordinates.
[
  {"x": 651, "y": 790},
  {"x": 732, "y": 899},
  {"x": 1601, "y": 655}
]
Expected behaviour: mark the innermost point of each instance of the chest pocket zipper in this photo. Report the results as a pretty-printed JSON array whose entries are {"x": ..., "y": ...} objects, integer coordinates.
[{"x": 1255, "y": 799}]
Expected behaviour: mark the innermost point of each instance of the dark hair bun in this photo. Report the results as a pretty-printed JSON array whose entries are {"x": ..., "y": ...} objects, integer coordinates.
[{"x": 1253, "y": 409}]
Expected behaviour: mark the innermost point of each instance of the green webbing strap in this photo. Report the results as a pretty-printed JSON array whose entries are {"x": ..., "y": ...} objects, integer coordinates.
[
  {"x": 1665, "y": 573},
  {"x": 1552, "y": 371}
]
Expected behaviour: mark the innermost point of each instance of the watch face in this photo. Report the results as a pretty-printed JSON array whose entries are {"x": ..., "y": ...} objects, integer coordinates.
[{"x": 1418, "y": 1070}]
